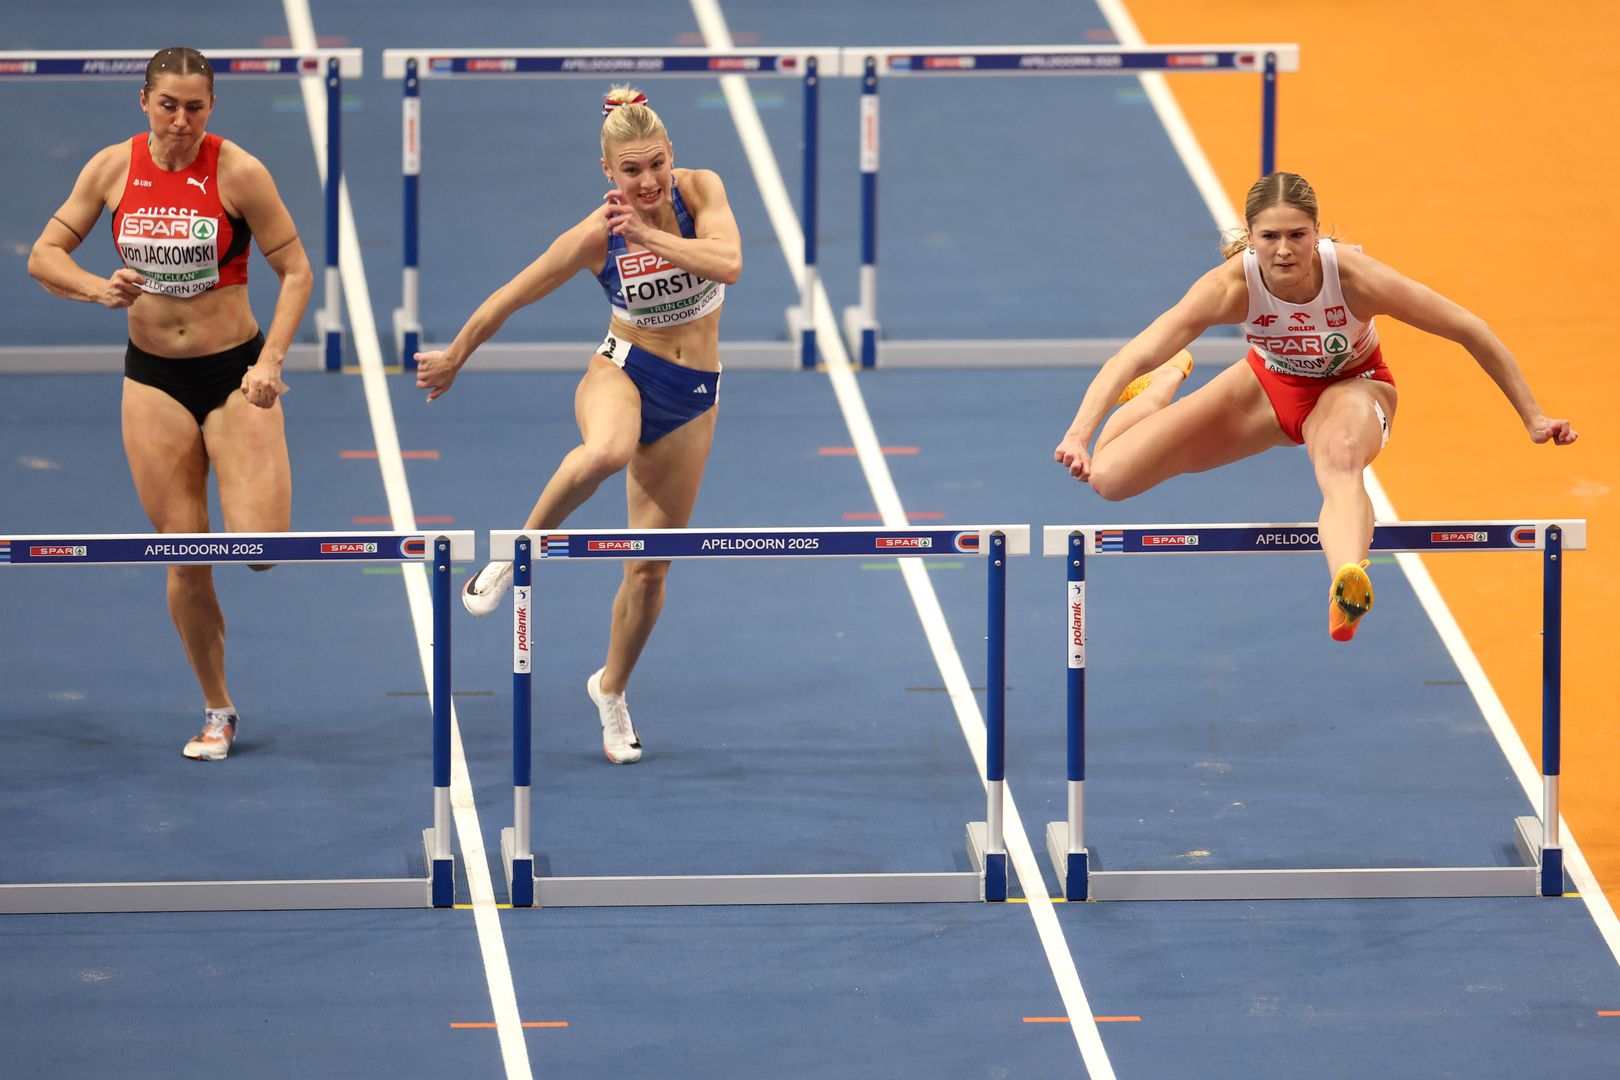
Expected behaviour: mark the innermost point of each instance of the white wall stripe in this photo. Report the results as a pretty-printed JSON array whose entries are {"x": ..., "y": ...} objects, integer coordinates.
[
  {"x": 1528, "y": 773},
  {"x": 791, "y": 237},
  {"x": 486, "y": 917}
]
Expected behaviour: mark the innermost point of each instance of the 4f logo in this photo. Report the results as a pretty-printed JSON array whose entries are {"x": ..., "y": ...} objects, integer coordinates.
[{"x": 1264, "y": 320}]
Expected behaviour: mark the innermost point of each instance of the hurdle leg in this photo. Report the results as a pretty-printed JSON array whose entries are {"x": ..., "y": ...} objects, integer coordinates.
[
  {"x": 1066, "y": 840},
  {"x": 517, "y": 854},
  {"x": 987, "y": 846}
]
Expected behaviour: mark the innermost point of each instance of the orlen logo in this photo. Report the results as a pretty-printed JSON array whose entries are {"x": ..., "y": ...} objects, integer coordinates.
[
  {"x": 58, "y": 551},
  {"x": 1264, "y": 320},
  {"x": 1458, "y": 537},
  {"x": 1301, "y": 321},
  {"x": 1336, "y": 316},
  {"x": 1170, "y": 540},
  {"x": 480, "y": 64},
  {"x": 904, "y": 542},
  {"x": 349, "y": 547},
  {"x": 616, "y": 545},
  {"x": 641, "y": 263}
]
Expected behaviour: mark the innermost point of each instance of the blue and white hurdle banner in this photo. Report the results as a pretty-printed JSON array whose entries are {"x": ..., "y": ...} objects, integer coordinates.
[
  {"x": 414, "y": 65},
  {"x": 985, "y": 841},
  {"x": 334, "y": 65},
  {"x": 861, "y": 326},
  {"x": 438, "y": 550},
  {"x": 1538, "y": 842}
]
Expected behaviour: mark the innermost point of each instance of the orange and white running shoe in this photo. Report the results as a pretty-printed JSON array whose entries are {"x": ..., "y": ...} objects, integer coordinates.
[
  {"x": 1181, "y": 362},
  {"x": 214, "y": 741},
  {"x": 1352, "y": 597}
]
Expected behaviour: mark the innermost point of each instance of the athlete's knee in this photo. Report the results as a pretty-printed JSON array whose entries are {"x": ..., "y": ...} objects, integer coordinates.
[
  {"x": 1109, "y": 480},
  {"x": 599, "y": 460},
  {"x": 646, "y": 575},
  {"x": 189, "y": 579},
  {"x": 1339, "y": 454}
]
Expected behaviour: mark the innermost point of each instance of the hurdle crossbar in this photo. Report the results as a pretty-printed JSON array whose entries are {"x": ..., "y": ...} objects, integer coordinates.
[
  {"x": 1537, "y": 841},
  {"x": 870, "y": 62},
  {"x": 808, "y": 64},
  {"x": 334, "y": 65},
  {"x": 436, "y": 888},
  {"x": 985, "y": 843}
]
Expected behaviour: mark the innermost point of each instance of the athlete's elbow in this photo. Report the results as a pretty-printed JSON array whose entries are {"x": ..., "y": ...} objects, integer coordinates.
[{"x": 729, "y": 270}]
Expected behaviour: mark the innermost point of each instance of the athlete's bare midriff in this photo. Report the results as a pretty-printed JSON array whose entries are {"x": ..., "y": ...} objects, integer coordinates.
[
  {"x": 182, "y": 327},
  {"x": 694, "y": 345}
]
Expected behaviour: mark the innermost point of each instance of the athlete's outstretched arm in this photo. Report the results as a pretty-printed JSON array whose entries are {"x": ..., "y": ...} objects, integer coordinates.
[
  {"x": 1372, "y": 288},
  {"x": 583, "y": 247},
  {"x": 1215, "y": 298}
]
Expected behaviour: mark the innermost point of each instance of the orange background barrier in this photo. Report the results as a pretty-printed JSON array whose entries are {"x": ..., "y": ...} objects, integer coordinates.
[{"x": 1471, "y": 147}]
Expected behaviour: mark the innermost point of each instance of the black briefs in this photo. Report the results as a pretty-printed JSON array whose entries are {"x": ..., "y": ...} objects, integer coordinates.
[{"x": 200, "y": 383}]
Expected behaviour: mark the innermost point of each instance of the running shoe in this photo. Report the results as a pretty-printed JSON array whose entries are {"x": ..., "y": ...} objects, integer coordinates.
[
  {"x": 1182, "y": 360},
  {"x": 1351, "y": 599},
  {"x": 214, "y": 741},
  {"x": 619, "y": 740},
  {"x": 483, "y": 591}
]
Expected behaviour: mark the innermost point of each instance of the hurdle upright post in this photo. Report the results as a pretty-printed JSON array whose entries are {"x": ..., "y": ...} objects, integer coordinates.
[
  {"x": 443, "y": 868},
  {"x": 329, "y": 319},
  {"x": 517, "y": 852},
  {"x": 1552, "y": 618},
  {"x": 408, "y": 316},
  {"x": 1268, "y": 116},
  {"x": 806, "y": 312},
  {"x": 860, "y": 321},
  {"x": 995, "y": 739}
]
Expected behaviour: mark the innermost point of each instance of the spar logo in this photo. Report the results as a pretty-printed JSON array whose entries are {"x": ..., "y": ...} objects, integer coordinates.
[
  {"x": 262, "y": 67},
  {"x": 1459, "y": 537},
  {"x": 491, "y": 64},
  {"x": 616, "y": 545},
  {"x": 889, "y": 543},
  {"x": 949, "y": 63},
  {"x": 168, "y": 227},
  {"x": 58, "y": 551},
  {"x": 349, "y": 547},
  {"x": 1170, "y": 540},
  {"x": 18, "y": 67},
  {"x": 1192, "y": 60},
  {"x": 734, "y": 63},
  {"x": 1336, "y": 316},
  {"x": 1310, "y": 345},
  {"x": 642, "y": 263}
]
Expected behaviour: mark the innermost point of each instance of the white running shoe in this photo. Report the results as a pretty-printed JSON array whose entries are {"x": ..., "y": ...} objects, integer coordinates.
[
  {"x": 619, "y": 741},
  {"x": 483, "y": 591},
  {"x": 214, "y": 741}
]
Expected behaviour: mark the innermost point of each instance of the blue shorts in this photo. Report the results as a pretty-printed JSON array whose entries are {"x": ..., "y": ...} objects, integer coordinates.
[{"x": 670, "y": 393}]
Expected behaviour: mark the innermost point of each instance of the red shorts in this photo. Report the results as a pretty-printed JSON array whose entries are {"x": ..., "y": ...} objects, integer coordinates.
[{"x": 1294, "y": 396}]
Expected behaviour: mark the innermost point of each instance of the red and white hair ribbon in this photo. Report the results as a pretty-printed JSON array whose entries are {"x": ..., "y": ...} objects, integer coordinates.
[{"x": 608, "y": 104}]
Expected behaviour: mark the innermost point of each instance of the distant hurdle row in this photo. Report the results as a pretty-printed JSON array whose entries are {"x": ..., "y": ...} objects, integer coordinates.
[
  {"x": 332, "y": 65},
  {"x": 809, "y": 64},
  {"x": 1538, "y": 841}
]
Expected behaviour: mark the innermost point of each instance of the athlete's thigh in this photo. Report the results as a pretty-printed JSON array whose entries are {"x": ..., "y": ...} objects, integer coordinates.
[
  {"x": 1227, "y": 419},
  {"x": 661, "y": 484},
  {"x": 167, "y": 459},
  {"x": 248, "y": 446},
  {"x": 1346, "y": 413},
  {"x": 607, "y": 406}
]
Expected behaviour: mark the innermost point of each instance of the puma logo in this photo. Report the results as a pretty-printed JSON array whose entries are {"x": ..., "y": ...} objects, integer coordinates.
[{"x": 201, "y": 184}]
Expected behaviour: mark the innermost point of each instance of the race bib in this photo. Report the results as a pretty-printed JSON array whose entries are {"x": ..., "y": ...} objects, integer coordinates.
[{"x": 177, "y": 254}]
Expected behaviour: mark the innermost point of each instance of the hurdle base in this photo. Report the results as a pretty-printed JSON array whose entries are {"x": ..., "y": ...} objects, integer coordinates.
[
  {"x": 329, "y": 332},
  {"x": 1371, "y": 883},
  {"x": 407, "y": 338},
  {"x": 861, "y": 336},
  {"x": 519, "y": 868},
  {"x": 991, "y": 866}
]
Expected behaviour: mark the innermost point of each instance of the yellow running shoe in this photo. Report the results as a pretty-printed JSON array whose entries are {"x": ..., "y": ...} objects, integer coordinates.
[
  {"x": 1352, "y": 598},
  {"x": 1182, "y": 360}
]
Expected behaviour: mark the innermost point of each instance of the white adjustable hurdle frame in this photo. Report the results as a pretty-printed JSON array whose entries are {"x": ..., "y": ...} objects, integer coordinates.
[
  {"x": 436, "y": 888},
  {"x": 334, "y": 65},
  {"x": 986, "y": 849},
  {"x": 1538, "y": 842}
]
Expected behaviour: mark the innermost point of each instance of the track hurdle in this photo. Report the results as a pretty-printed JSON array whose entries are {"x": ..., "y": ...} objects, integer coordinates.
[
  {"x": 413, "y": 65},
  {"x": 861, "y": 327},
  {"x": 1538, "y": 842},
  {"x": 437, "y": 887},
  {"x": 334, "y": 64},
  {"x": 986, "y": 849}
]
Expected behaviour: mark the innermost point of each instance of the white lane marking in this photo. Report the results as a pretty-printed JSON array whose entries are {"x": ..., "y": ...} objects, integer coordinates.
[
  {"x": 486, "y": 916},
  {"x": 1445, "y": 624},
  {"x": 839, "y": 371}
]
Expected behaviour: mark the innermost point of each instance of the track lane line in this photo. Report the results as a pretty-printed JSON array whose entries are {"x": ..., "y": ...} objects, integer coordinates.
[
  {"x": 1445, "y": 624},
  {"x": 841, "y": 374},
  {"x": 464, "y": 812}
]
